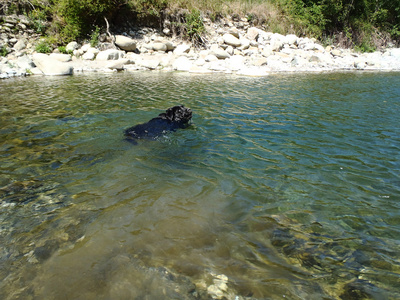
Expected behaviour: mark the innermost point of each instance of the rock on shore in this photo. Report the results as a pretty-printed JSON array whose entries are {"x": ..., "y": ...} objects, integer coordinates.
[{"x": 233, "y": 47}]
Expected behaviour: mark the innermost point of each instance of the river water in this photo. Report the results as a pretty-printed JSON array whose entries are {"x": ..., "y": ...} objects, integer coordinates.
[{"x": 286, "y": 186}]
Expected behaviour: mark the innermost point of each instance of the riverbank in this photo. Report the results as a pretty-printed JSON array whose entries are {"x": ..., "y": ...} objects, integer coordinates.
[{"x": 231, "y": 46}]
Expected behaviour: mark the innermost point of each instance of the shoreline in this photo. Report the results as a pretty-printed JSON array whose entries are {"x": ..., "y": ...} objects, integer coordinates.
[{"x": 231, "y": 48}]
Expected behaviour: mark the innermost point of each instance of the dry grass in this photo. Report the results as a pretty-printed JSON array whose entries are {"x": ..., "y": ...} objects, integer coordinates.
[{"x": 259, "y": 12}]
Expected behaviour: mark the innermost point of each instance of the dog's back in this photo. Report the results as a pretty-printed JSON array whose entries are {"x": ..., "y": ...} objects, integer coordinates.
[
  {"x": 151, "y": 130},
  {"x": 174, "y": 118}
]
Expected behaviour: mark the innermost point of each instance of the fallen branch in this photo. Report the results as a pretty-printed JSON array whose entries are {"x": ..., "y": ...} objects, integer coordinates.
[{"x": 108, "y": 32}]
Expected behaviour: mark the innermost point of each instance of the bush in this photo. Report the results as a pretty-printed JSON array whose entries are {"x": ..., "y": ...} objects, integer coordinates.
[
  {"x": 194, "y": 26},
  {"x": 94, "y": 38},
  {"x": 3, "y": 51},
  {"x": 63, "y": 50},
  {"x": 43, "y": 47},
  {"x": 76, "y": 18}
]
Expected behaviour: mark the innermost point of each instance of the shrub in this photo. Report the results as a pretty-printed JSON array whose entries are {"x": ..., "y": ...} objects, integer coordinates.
[
  {"x": 3, "y": 51},
  {"x": 63, "y": 50},
  {"x": 75, "y": 18},
  {"x": 94, "y": 38},
  {"x": 195, "y": 26},
  {"x": 43, "y": 47}
]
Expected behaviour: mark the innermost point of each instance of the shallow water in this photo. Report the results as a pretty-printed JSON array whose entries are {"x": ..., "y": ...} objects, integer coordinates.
[{"x": 283, "y": 187}]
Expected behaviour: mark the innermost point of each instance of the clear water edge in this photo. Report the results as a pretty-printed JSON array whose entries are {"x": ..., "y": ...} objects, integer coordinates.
[{"x": 288, "y": 185}]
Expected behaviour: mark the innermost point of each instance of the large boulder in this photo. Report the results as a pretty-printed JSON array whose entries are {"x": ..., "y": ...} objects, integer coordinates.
[
  {"x": 125, "y": 43},
  {"x": 51, "y": 66}
]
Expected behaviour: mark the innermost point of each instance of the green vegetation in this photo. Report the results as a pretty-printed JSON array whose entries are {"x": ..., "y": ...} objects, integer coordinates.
[
  {"x": 63, "y": 50},
  {"x": 94, "y": 38},
  {"x": 43, "y": 47},
  {"x": 194, "y": 26},
  {"x": 3, "y": 51},
  {"x": 365, "y": 24}
]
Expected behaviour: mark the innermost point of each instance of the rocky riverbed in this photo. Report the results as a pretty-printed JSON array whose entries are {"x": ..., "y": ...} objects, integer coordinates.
[{"x": 232, "y": 46}]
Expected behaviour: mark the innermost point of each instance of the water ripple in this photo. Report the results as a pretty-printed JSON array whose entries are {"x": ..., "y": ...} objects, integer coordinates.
[{"x": 288, "y": 185}]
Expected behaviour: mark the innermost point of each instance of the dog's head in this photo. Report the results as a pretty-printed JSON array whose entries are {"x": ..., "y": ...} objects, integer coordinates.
[{"x": 178, "y": 114}]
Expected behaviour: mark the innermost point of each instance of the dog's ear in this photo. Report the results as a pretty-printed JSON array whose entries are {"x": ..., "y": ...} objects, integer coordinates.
[{"x": 170, "y": 113}]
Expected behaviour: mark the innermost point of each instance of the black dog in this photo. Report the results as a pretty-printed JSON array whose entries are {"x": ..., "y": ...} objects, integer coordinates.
[{"x": 173, "y": 118}]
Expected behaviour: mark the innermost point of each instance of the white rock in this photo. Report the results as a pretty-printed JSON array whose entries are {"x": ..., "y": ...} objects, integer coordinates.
[
  {"x": 117, "y": 64},
  {"x": 230, "y": 39},
  {"x": 220, "y": 53},
  {"x": 24, "y": 63},
  {"x": 181, "y": 49},
  {"x": 78, "y": 52},
  {"x": 395, "y": 52},
  {"x": 217, "y": 66},
  {"x": 125, "y": 43},
  {"x": 170, "y": 46},
  {"x": 85, "y": 47},
  {"x": 61, "y": 57},
  {"x": 51, "y": 66},
  {"x": 360, "y": 64},
  {"x": 203, "y": 53},
  {"x": 298, "y": 61},
  {"x": 234, "y": 31},
  {"x": 93, "y": 50},
  {"x": 276, "y": 45},
  {"x": 245, "y": 44},
  {"x": 88, "y": 56},
  {"x": 229, "y": 50},
  {"x": 210, "y": 57},
  {"x": 151, "y": 64},
  {"x": 110, "y": 54},
  {"x": 20, "y": 45},
  {"x": 235, "y": 62},
  {"x": 260, "y": 61},
  {"x": 160, "y": 47},
  {"x": 252, "y": 33},
  {"x": 264, "y": 37},
  {"x": 72, "y": 46},
  {"x": 337, "y": 52},
  {"x": 291, "y": 39},
  {"x": 199, "y": 69},
  {"x": 182, "y": 63},
  {"x": 267, "y": 52}
]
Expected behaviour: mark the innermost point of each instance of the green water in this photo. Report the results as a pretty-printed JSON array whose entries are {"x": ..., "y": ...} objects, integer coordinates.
[{"x": 283, "y": 187}]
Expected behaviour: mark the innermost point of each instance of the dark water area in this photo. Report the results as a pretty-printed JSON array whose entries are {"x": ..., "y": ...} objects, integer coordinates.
[{"x": 286, "y": 186}]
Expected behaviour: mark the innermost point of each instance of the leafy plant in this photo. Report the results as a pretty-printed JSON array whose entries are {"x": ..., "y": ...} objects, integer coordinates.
[
  {"x": 94, "y": 37},
  {"x": 43, "y": 47},
  {"x": 38, "y": 18},
  {"x": 195, "y": 26},
  {"x": 3, "y": 51},
  {"x": 63, "y": 50}
]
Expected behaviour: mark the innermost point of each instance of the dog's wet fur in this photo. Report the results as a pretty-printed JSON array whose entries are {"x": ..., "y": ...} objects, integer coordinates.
[{"x": 174, "y": 118}]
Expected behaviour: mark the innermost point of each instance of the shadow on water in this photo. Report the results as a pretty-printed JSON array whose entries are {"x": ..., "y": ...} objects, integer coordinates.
[{"x": 282, "y": 187}]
